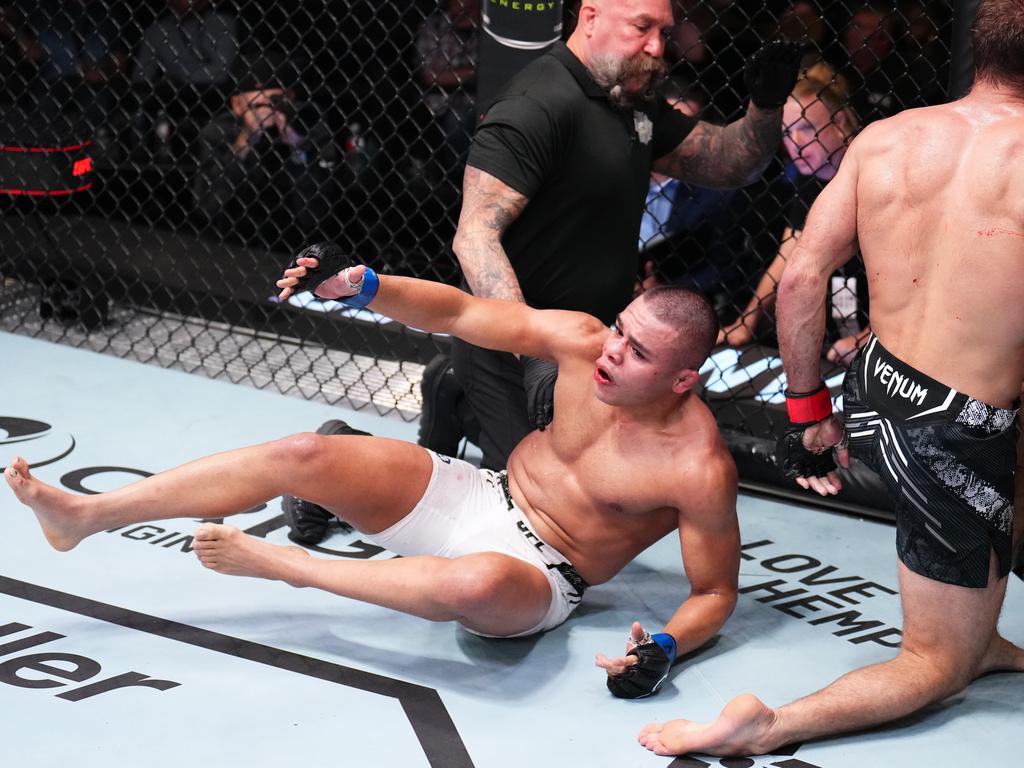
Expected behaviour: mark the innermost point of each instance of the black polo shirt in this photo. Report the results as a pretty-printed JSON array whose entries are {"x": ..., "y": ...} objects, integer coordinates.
[{"x": 553, "y": 136}]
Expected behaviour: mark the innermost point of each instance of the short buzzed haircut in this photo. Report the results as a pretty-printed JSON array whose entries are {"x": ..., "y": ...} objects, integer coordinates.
[
  {"x": 997, "y": 36},
  {"x": 691, "y": 315}
]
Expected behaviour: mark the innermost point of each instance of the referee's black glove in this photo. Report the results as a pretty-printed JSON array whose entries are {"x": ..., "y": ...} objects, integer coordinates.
[{"x": 772, "y": 72}]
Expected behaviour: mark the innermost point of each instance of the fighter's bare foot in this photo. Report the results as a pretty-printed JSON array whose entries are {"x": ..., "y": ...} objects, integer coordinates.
[
  {"x": 1001, "y": 656},
  {"x": 228, "y": 550},
  {"x": 742, "y": 728},
  {"x": 59, "y": 513}
]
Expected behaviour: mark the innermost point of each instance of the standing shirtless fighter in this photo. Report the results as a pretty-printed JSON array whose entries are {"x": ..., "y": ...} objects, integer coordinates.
[
  {"x": 632, "y": 454},
  {"x": 935, "y": 199}
]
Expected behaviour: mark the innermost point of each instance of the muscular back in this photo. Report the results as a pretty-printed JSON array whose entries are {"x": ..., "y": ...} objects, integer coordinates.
[{"x": 940, "y": 223}]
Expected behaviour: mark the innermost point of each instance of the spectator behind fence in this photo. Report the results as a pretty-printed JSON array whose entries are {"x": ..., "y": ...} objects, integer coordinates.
[
  {"x": 877, "y": 79},
  {"x": 83, "y": 61},
  {"x": 447, "y": 44},
  {"x": 184, "y": 62},
  {"x": 803, "y": 22},
  {"x": 924, "y": 51},
  {"x": 710, "y": 44},
  {"x": 258, "y": 175},
  {"x": 819, "y": 126},
  {"x": 689, "y": 234}
]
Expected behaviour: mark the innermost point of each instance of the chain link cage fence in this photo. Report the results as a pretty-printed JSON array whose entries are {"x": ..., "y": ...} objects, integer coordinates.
[{"x": 161, "y": 161}]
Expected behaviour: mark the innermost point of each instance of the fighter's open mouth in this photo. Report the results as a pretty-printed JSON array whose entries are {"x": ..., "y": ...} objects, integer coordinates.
[{"x": 602, "y": 376}]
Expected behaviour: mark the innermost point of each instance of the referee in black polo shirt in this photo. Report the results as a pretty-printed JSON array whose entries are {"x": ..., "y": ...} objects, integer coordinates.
[{"x": 556, "y": 182}]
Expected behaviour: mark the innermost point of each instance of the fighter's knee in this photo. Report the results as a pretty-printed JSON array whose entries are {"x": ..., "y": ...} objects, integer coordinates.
[
  {"x": 476, "y": 582},
  {"x": 947, "y": 673},
  {"x": 302, "y": 449}
]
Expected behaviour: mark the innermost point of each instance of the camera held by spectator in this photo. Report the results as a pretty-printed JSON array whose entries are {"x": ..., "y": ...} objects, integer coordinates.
[{"x": 258, "y": 170}]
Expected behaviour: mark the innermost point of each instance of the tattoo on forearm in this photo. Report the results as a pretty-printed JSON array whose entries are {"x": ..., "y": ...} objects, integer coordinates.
[
  {"x": 487, "y": 269},
  {"x": 488, "y": 208},
  {"x": 729, "y": 156}
]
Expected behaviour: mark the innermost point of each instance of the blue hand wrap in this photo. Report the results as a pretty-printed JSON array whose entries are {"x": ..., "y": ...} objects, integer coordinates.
[
  {"x": 368, "y": 289},
  {"x": 667, "y": 643}
]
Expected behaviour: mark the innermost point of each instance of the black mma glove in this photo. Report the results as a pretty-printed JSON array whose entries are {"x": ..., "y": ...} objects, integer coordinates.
[
  {"x": 308, "y": 522},
  {"x": 539, "y": 382},
  {"x": 805, "y": 409},
  {"x": 771, "y": 73},
  {"x": 332, "y": 260},
  {"x": 656, "y": 653},
  {"x": 795, "y": 460}
]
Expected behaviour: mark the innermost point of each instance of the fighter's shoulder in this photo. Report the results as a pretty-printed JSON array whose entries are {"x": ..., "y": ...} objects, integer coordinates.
[
  {"x": 706, "y": 493},
  {"x": 903, "y": 130},
  {"x": 879, "y": 136},
  {"x": 703, "y": 455},
  {"x": 577, "y": 335}
]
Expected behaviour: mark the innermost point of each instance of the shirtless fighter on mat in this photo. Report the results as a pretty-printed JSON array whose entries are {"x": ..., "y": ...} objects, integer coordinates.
[
  {"x": 632, "y": 455},
  {"x": 935, "y": 199}
]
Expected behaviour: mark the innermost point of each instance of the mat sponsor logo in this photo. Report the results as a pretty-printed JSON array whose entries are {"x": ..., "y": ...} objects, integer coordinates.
[
  {"x": 167, "y": 538},
  {"x": 421, "y": 706},
  {"x": 805, "y": 588},
  {"x": 57, "y": 669},
  {"x": 772, "y": 761},
  {"x": 40, "y": 444},
  {"x": 35, "y": 440}
]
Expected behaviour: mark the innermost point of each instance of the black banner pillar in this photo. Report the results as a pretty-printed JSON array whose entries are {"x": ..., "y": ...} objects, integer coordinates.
[
  {"x": 961, "y": 66},
  {"x": 515, "y": 33}
]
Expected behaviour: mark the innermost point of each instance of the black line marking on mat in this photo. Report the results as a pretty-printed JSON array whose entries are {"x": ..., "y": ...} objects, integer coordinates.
[
  {"x": 54, "y": 460},
  {"x": 434, "y": 728},
  {"x": 689, "y": 761}
]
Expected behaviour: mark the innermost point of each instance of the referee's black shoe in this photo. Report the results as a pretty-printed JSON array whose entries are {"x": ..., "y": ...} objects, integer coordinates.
[
  {"x": 308, "y": 522},
  {"x": 440, "y": 427}
]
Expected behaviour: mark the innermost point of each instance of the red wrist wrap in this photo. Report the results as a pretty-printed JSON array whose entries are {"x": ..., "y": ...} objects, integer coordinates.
[{"x": 809, "y": 407}]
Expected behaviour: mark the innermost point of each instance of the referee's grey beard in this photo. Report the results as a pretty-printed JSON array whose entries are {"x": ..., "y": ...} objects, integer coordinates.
[{"x": 610, "y": 72}]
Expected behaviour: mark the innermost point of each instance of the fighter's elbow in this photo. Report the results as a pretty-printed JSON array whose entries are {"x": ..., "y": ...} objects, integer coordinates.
[
  {"x": 797, "y": 282},
  {"x": 723, "y": 597}
]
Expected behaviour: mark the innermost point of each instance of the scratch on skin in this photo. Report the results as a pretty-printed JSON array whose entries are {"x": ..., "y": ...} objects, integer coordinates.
[{"x": 999, "y": 231}]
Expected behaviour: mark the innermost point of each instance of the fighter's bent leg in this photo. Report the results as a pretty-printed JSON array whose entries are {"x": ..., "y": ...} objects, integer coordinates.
[
  {"x": 489, "y": 592},
  {"x": 1002, "y": 655},
  {"x": 352, "y": 476},
  {"x": 947, "y": 634}
]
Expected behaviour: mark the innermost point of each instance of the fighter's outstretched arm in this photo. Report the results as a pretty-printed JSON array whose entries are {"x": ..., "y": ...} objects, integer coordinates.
[{"x": 507, "y": 326}]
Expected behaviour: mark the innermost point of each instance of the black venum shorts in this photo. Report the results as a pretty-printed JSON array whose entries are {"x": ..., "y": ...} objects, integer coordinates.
[{"x": 948, "y": 461}]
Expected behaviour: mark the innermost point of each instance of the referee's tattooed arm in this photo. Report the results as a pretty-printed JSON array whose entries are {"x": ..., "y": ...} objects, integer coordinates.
[
  {"x": 726, "y": 156},
  {"x": 488, "y": 207}
]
